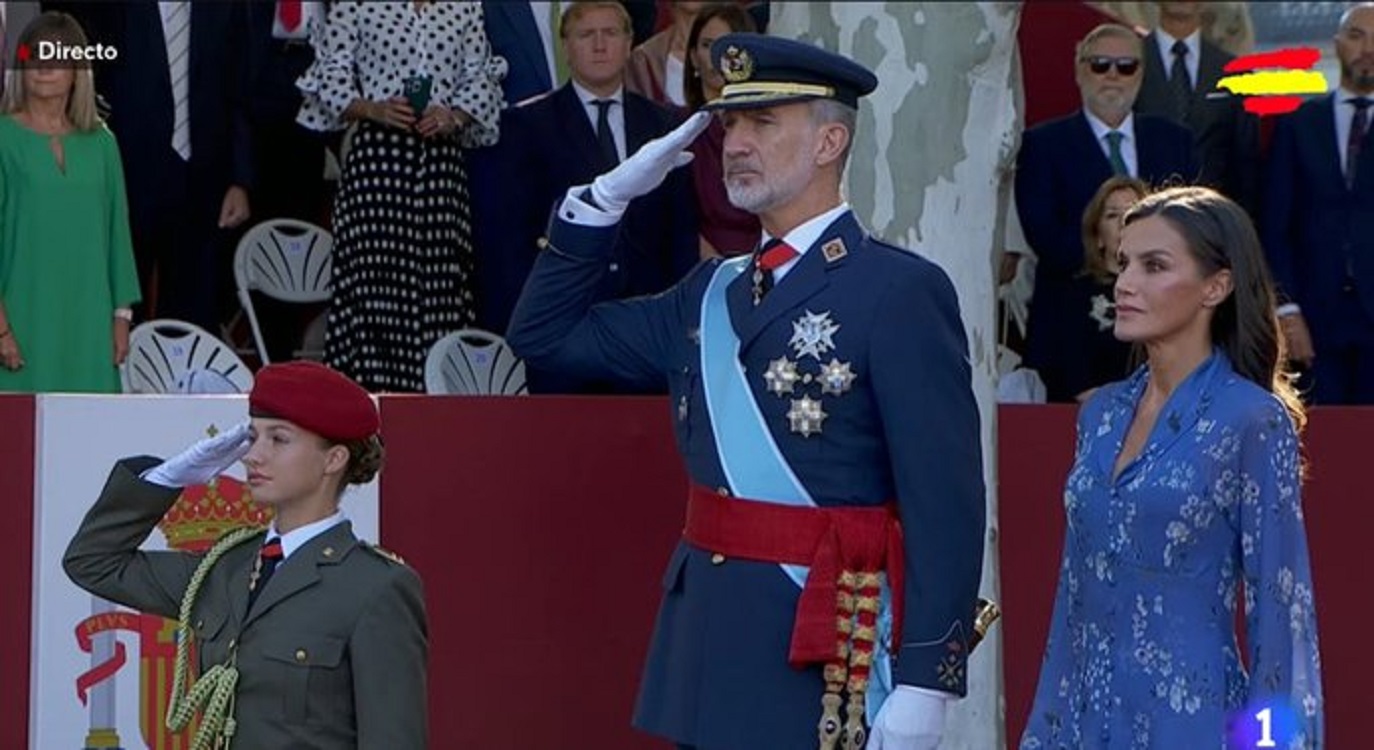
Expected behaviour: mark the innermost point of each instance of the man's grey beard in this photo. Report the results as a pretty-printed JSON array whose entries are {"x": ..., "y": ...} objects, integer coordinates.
[{"x": 754, "y": 199}]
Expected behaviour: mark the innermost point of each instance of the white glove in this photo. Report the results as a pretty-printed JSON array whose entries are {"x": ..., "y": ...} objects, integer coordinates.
[
  {"x": 648, "y": 167},
  {"x": 911, "y": 718},
  {"x": 203, "y": 461}
]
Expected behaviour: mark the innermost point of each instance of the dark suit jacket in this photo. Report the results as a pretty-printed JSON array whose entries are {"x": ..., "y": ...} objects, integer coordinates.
[
  {"x": 907, "y": 431},
  {"x": 1317, "y": 232},
  {"x": 332, "y": 654},
  {"x": 1059, "y": 168},
  {"x": 1227, "y": 137},
  {"x": 272, "y": 68},
  {"x": 549, "y": 146},
  {"x": 139, "y": 90},
  {"x": 513, "y": 35}
]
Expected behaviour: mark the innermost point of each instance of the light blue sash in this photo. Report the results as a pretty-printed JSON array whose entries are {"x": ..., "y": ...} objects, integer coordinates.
[{"x": 754, "y": 466}]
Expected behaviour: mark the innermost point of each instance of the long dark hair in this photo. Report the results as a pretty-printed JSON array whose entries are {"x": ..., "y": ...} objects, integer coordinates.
[
  {"x": 737, "y": 18},
  {"x": 1245, "y": 325}
]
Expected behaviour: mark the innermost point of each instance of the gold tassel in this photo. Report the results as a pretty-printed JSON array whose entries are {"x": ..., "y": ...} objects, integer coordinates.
[{"x": 829, "y": 727}]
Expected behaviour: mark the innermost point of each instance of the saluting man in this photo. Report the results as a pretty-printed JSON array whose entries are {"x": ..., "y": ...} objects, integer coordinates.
[
  {"x": 828, "y": 573},
  {"x": 307, "y": 637}
]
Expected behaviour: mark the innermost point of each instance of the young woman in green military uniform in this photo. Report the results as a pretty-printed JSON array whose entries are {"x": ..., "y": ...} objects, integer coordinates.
[{"x": 306, "y": 636}]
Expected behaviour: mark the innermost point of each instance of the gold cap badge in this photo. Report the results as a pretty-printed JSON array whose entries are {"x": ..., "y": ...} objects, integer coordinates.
[{"x": 736, "y": 65}]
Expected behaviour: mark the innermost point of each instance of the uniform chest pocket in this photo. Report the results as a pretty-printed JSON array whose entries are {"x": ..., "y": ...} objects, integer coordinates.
[
  {"x": 312, "y": 674},
  {"x": 211, "y": 636}
]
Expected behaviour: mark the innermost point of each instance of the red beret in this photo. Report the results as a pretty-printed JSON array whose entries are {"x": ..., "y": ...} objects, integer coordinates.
[{"x": 315, "y": 397}]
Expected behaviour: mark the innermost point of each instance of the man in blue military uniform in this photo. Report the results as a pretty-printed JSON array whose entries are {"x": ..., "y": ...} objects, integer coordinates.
[{"x": 821, "y": 397}]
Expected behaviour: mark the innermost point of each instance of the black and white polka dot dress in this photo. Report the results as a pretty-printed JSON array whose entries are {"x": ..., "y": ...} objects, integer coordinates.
[{"x": 403, "y": 257}]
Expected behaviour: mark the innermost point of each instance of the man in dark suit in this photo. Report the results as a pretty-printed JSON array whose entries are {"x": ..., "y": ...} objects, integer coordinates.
[
  {"x": 1063, "y": 162},
  {"x": 821, "y": 380},
  {"x": 524, "y": 35},
  {"x": 177, "y": 95},
  {"x": 563, "y": 139},
  {"x": 1319, "y": 224},
  {"x": 288, "y": 158},
  {"x": 1180, "y": 82}
]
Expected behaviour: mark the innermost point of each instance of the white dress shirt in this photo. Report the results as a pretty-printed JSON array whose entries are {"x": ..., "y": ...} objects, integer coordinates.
[
  {"x": 804, "y": 235},
  {"x": 297, "y": 538},
  {"x": 1190, "y": 60},
  {"x": 615, "y": 115},
  {"x": 1345, "y": 114}
]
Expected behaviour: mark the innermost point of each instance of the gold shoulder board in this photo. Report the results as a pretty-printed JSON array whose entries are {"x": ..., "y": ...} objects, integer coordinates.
[{"x": 384, "y": 553}]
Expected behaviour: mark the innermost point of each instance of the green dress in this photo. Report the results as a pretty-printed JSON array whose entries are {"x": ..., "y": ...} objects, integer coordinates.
[{"x": 66, "y": 258}]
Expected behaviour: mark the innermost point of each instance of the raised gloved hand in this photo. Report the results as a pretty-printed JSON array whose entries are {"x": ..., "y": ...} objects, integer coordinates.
[
  {"x": 911, "y": 718},
  {"x": 646, "y": 169},
  {"x": 203, "y": 461}
]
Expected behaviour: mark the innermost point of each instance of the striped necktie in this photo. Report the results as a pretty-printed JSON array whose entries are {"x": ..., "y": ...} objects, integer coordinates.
[
  {"x": 1114, "y": 152},
  {"x": 178, "y": 34}
]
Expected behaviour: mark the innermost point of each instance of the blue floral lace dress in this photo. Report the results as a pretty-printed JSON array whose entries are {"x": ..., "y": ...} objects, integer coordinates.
[{"x": 1143, "y": 650}]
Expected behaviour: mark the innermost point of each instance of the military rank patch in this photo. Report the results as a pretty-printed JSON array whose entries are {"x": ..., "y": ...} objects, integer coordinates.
[
  {"x": 834, "y": 250},
  {"x": 384, "y": 553}
]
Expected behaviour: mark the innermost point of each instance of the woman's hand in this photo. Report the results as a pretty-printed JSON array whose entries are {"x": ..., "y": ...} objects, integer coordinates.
[
  {"x": 10, "y": 358},
  {"x": 121, "y": 341},
  {"x": 439, "y": 120},
  {"x": 394, "y": 112}
]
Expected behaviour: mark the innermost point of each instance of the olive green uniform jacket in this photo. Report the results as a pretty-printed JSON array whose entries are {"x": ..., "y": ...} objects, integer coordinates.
[{"x": 332, "y": 654}]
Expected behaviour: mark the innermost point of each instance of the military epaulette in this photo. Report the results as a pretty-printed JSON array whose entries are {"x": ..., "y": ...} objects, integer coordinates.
[{"x": 383, "y": 553}]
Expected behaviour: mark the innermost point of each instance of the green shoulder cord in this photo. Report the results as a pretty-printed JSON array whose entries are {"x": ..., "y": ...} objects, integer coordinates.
[{"x": 214, "y": 691}]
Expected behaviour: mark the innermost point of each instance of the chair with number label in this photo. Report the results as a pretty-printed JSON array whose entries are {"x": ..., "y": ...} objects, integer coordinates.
[
  {"x": 172, "y": 356},
  {"x": 473, "y": 362},
  {"x": 285, "y": 259}
]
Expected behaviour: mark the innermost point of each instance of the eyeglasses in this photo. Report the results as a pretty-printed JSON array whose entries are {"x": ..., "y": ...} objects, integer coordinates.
[{"x": 1126, "y": 66}]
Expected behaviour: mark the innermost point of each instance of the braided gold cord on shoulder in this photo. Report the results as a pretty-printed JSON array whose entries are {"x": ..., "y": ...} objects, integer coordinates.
[{"x": 215, "y": 689}]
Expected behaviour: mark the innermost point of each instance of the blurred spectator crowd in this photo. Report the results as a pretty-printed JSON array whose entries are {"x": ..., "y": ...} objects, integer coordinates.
[{"x": 429, "y": 140}]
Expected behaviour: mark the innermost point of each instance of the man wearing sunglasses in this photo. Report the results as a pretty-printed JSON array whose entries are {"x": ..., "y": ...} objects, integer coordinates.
[{"x": 1061, "y": 164}]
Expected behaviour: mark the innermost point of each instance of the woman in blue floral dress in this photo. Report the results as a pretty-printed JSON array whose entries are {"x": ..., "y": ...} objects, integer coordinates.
[{"x": 1184, "y": 493}]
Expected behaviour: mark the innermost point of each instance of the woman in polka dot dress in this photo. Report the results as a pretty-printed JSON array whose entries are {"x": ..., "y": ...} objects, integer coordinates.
[{"x": 419, "y": 81}]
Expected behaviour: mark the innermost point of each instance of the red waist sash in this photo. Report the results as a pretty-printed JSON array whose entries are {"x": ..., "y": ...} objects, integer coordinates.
[{"x": 844, "y": 547}]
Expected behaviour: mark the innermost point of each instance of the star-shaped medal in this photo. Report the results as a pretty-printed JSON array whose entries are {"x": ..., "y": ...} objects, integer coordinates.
[
  {"x": 813, "y": 335},
  {"x": 836, "y": 377},
  {"x": 781, "y": 376},
  {"x": 806, "y": 416}
]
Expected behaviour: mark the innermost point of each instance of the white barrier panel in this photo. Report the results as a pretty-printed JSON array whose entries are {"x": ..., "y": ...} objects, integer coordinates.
[{"x": 101, "y": 674}]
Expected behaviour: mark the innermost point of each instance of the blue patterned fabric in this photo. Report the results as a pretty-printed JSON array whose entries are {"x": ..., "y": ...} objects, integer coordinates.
[{"x": 1143, "y": 651}]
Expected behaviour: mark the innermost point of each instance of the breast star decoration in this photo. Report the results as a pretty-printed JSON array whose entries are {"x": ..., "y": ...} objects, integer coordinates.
[
  {"x": 806, "y": 416},
  {"x": 781, "y": 376},
  {"x": 836, "y": 377},
  {"x": 813, "y": 334}
]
